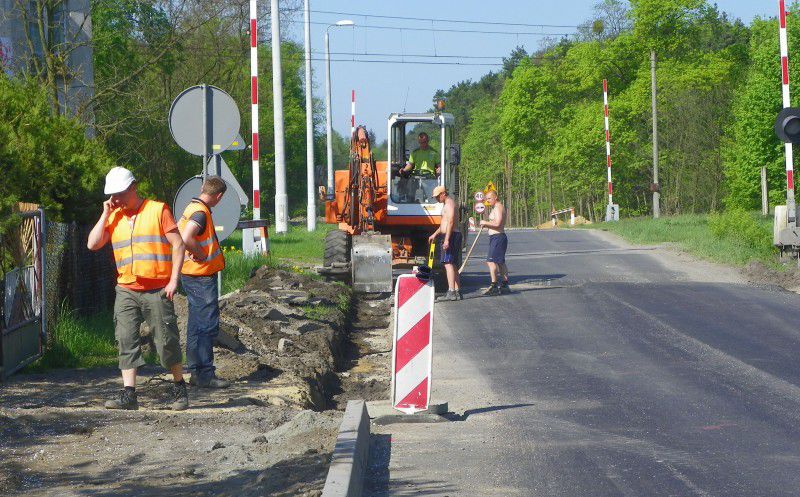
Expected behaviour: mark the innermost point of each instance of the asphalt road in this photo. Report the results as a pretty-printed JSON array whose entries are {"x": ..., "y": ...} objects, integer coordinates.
[{"x": 610, "y": 371}]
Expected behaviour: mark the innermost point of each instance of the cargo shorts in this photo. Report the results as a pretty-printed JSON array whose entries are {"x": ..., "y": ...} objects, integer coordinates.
[{"x": 131, "y": 308}]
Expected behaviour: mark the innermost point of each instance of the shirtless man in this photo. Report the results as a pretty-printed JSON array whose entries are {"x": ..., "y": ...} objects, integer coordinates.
[
  {"x": 498, "y": 244},
  {"x": 451, "y": 242}
]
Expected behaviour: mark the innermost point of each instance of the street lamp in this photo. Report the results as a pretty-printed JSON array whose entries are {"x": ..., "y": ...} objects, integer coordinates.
[{"x": 343, "y": 22}]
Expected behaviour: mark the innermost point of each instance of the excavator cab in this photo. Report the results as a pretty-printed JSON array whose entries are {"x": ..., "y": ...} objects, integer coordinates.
[{"x": 409, "y": 194}]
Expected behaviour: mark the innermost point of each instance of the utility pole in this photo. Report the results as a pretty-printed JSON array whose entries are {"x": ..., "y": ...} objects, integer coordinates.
[
  {"x": 656, "y": 193},
  {"x": 311, "y": 209},
  {"x": 281, "y": 199},
  {"x": 764, "y": 199}
]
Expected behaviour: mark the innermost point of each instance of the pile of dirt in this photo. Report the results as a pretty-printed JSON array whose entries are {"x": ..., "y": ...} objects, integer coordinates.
[
  {"x": 563, "y": 224},
  {"x": 760, "y": 275},
  {"x": 293, "y": 345}
]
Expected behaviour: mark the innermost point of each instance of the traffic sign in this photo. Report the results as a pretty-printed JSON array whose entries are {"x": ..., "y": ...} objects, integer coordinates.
[
  {"x": 489, "y": 187},
  {"x": 480, "y": 207},
  {"x": 225, "y": 173},
  {"x": 479, "y": 196},
  {"x": 226, "y": 213},
  {"x": 201, "y": 104}
]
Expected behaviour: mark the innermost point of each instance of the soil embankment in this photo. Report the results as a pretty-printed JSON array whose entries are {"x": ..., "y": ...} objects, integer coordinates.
[{"x": 294, "y": 346}]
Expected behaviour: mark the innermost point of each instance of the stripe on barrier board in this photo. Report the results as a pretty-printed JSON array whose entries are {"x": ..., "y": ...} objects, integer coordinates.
[
  {"x": 412, "y": 342},
  {"x": 412, "y": 312},
  {"x": 417, "y": 397},
  {"x": 412, "y": 374},
  {"x": 407, "y": 290}
]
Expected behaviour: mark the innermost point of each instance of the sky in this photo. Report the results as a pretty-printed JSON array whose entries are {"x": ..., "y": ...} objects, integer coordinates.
[{"x": 385, "y": 87}]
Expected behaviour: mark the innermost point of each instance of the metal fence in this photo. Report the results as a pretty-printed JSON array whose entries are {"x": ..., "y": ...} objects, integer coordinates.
[{"x": 77, "y": 278}]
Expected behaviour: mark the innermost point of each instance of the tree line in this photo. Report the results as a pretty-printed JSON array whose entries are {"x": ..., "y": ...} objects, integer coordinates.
[
  {"x": 536, "y": 127},
  {"x": 145, "y": 52}
]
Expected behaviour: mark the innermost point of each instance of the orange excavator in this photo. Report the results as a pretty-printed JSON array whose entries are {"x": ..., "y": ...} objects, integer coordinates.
[{"x": 385, "y": 214}]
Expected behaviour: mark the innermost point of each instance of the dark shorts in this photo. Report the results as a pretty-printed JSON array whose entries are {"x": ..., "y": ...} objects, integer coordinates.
[
  {"x": 453, "y": 254},
  {"x": 498, "y": 244}
]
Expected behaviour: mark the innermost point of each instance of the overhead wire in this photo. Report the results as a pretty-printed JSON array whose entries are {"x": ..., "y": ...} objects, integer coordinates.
[
  {"x": 456, "y": 21},
  {"x": 446, "y": 30}
]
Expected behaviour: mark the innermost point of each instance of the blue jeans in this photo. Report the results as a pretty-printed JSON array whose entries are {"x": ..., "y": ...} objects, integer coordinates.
[{"x": 202, "y": 326}]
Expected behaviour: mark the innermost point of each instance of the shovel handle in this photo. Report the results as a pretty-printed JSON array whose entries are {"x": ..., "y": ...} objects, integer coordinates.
[{"x": 470, "y": 250}]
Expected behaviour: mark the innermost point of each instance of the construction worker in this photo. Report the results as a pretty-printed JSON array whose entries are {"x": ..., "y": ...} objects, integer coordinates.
[
  {"x": 203, "y": 261},
  {"x": 424, "y": 160},
  {"x": 451, "y": 242},
  {"x": 148, "y": 251},
  {"x": 498, "y": 244}
]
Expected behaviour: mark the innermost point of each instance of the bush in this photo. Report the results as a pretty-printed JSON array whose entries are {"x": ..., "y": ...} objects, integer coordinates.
[
  {"x": 47, "y": 158},
  {"x": 741, "y": 227}
]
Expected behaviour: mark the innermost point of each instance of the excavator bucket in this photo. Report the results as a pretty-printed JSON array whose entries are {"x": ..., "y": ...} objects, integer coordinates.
[{"x": 371, "y": 262}]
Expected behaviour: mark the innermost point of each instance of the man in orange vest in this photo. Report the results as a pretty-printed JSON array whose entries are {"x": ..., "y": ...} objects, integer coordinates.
[
  {"x": 148, "y": 251},
  {"x": 203, "y": 261}
]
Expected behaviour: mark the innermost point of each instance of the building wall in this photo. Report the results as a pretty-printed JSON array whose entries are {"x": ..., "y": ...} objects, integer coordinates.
[{"x": 73, "y": 32}]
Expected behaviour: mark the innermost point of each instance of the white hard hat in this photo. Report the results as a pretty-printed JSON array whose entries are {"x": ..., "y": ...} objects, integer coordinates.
[{"x": 118, "y": 180}]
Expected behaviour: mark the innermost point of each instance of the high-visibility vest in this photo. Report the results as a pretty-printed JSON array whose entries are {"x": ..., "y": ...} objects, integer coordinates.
[
  {"x": 143, "y": 251},
  {"x": 214, "y": 261}
]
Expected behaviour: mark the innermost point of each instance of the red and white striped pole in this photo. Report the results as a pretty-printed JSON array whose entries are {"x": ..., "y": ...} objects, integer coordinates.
[
  {"x": 254, "y": 104},
  {"x": 352, "y": 113},
  {"x": 608, "y": 143},
  {"x": 786, "y": 103}
]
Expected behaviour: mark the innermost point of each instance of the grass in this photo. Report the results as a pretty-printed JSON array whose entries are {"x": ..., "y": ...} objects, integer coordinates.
[
  {"x": 87, "y": 342},
  {"x": 79, "y": 342},
  {"x": 734, "y": 237},
  {"x": 297, "y": 245}
]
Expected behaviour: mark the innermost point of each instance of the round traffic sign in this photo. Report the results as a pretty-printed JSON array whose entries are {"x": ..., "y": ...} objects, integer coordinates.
[
  {"x": 479, "y": 196},
  {"x": 226, "y": 213},
  {"x": 479, "y": 207},
  {"x": 186, "y": 120}
]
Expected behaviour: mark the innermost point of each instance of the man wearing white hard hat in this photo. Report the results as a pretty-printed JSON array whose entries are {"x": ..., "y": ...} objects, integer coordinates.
[
  {"x": 451, "y": 242},
  {"x": 148, "y": 251}
]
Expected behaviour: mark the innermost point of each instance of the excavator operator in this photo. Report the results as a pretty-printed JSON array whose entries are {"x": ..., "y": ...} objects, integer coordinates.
[{"x": 425, "y": 160}]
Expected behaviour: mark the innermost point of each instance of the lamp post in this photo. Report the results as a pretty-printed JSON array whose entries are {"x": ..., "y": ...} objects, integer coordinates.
[
  {"x": 343, "y": 22},
  {"x": 311, "y": 207}
]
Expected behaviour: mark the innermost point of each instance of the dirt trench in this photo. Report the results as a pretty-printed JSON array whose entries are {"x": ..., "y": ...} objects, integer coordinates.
[{"x": 296, "y": 349}]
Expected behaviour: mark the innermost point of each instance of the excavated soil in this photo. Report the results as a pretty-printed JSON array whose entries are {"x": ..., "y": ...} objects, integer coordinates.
[{"x": 296, "y": 349}]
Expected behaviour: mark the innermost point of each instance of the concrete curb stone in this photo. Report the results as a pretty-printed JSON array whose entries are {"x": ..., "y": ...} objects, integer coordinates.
[{"x": 349, "y": 460}]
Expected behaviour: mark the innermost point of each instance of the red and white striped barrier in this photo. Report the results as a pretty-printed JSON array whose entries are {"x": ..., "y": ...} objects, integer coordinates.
[
  {"x": 787, "y": 102},
  {"x": 413, "y": 348},
  {"x": 608, "y": 143}
]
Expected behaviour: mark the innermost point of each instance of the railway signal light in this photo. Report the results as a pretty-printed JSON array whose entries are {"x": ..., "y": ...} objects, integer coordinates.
[{"x": 787, "y": 125}]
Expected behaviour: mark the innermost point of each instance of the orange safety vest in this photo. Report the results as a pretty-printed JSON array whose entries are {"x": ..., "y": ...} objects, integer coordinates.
[
  {"x": 143, "y": 251},
  {"x": 214, "y": 261}
]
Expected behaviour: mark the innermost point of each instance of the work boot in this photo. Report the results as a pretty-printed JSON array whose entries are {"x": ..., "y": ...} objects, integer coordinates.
[
  {"x": 127, "y": 400},
  {"x": 504, "y": 288},
  {"x": 180, "y": 397},
  {"x": 214, "y": 382},
  {"x": 492, "y": 291}
]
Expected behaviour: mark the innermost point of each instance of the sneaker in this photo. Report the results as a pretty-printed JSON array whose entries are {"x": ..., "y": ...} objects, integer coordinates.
[
  {"x": 127, "y": 400},
  {"x": 505, "y": 289},
  {"x": 449, "y": 296},
  {"x": 180, "y": 397},
  {"x": 492, "y": 291},
  {"x": 214, "y": 382},
  {"x": 458, "y": 295}
]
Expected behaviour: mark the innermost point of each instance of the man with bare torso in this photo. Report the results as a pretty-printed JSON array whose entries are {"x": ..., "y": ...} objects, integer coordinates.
[
  {"x": 451, "y": 242},
  {"x": 498, "y": 244}
]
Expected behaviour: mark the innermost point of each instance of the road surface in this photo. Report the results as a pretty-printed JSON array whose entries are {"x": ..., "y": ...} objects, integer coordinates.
[{"x": 610, "y": 371}]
